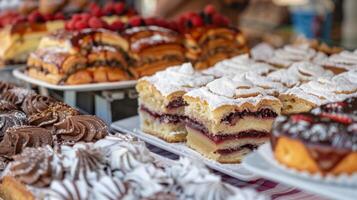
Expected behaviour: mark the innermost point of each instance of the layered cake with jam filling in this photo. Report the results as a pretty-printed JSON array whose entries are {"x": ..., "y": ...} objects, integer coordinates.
[
  {"x": 79, "y": 57},
  {"x": 153, "y": 48},
  {"x": 229, "y": 118},
  {"x": 324, "y": 142},
  {"x": 304, "y": 97},
  {"x": 161, "y": 106}
]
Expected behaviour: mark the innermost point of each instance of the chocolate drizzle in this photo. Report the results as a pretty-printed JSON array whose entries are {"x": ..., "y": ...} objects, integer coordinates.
[
  {"x": 6, "y": 106},
  {"x": 4, "y": 87},
  {"x": 11, "y": 119},
  {"x": 17, "y": 95}
]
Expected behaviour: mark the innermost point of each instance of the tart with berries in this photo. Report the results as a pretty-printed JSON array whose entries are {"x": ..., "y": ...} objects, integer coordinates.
[
  {"x": 209, "y": 38},
  {"x": 20, "y": 35},
  {"x": 324, "y": 141}
]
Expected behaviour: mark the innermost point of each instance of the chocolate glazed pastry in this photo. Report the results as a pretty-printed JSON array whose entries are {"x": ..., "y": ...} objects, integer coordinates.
[
  {"x": 85, "y": 128},
  {"x": 6, "y": 106},
  {"x": 4, "y": 87},
  {"x": 16, "y": 139},
  {"x": 53, "y": 114},
  {"x": 17, "y": 95},
  {"x": 11, "y": 119},
  {"x": 36, "y": 104}
]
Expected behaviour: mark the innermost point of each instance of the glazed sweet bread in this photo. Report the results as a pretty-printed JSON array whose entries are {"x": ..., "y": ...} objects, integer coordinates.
[{"x": 323, "y": 142}]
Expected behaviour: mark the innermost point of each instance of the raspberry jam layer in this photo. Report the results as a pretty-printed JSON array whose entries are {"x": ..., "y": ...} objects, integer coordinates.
[
  {"x": 251, "y": 147},
  {"x": 164, "y": 118},
  {"x": 233, "y": 117},
  {"x": 222, "y": 138},
  {"x": 177, "y": 103}
]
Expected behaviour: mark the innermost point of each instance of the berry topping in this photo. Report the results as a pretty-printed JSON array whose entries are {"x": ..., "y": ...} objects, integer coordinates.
[
  {"x": 119, "y": 8},
  {"x": 35, "y": 16},
  {"x": 301, "y": 117},
  {"x": 136, "y": 21},
  {"x": 197, "y": 21},
  {"x": 79, "y": 25},
  {"x": 210, "y": 10},
  {"x": 337, "y": 117},
  {"x": 95, "y": 22},
  {"x": 117, "y": 26}
]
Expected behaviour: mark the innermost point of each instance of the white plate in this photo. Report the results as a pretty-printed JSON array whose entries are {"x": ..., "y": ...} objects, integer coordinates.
[
  {"x": 258, "y": 165},
  {"x": 132, "y": 126},
  {"x": 19, "y": 73}
]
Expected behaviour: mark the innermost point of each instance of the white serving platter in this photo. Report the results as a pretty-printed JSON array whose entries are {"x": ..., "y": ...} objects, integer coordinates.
[
  {"x": 19, "y": 73},
  {"x": 257, "y": 164},
  {"x": 132, "y": 126}
]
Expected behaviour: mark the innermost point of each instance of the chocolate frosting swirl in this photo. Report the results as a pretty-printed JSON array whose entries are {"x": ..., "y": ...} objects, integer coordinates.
[
  {"x": 85, "y": 128},
  {"x": 53, "y": 114},
  {"x": 17, "y": 138},
  {"x": 36, "y": 104},
  {"x": 6, "y": 106},
  {"x": 4, "y": 87},
  {"x": 11, "y": 119},
  {"x": 17, "y": 95},
  {"x": 33, "y": 167}
]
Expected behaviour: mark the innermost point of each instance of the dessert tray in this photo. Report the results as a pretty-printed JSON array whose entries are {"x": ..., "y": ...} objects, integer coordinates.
[
  {"x": 257, "y": 163},
  {"x": 131, "y": 126},
  {"x": 20, "y": 74}
]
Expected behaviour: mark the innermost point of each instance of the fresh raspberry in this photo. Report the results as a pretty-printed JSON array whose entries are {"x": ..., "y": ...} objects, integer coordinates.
[
  {"x": 119, "y": 8},
  {"x": 210, "y": 10},
  {"x": 85, "y": 16},
  {"x": 197, "y": 21},
  {"x": 150, "y": 21},
  {"x": 338, "y": 118},
  {"x": 77, "y": 17},
  {"x": 48, "y": 17},
  {"x": 59, "y": 16},
  {"x": 220, "y": 20},
  {"x": 97, "y": 12},
  {"x": 95, "y": 22},
  {"x": 70, "y": 25},
  {"x": 117, "y": 26},
  {"x": 135, "y": 21},
  {"x": 79, "y": 25},
  {"x": 35, "y": 17},
  {"x": 109, "y": 8},
  {"x": 301, "y": 117}
]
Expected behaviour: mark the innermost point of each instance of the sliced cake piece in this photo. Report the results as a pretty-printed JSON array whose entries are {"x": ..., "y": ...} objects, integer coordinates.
[
  {"x": 161, "y": 106},
  {"x": 229, "y": 118}
]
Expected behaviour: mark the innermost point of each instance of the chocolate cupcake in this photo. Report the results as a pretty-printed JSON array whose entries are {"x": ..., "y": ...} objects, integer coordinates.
[
  {"x": 17, "y": 95},
  {"x": 11, "y": 119},
  {"x": 17, "y": 138},
  {"x": 55, "y": 113},
  {"x": 86, "y": 128},
  {"x": 36, "y": 103}
]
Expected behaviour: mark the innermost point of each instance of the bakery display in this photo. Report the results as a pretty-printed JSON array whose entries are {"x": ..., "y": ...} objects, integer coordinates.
[
  {"x": 323, "y": 141},
  {"x": 111, "y": 168},
  {"x": 161, "y": 103}
]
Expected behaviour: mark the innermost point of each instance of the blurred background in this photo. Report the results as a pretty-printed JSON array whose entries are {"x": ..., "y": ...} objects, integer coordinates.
[{"x": 274, "y": 21}]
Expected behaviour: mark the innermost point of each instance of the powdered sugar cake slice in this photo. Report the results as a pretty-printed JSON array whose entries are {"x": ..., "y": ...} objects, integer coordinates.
[
  {"x": 229, "y": 118},
  {"x": 161, "y": 106}
]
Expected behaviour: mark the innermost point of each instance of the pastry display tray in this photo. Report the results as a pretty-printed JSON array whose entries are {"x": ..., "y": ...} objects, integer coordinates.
[
  {"x": 257, "y": 164},
  {"x": 131, "y": 126},
  {"x": 19, "y": 73}
]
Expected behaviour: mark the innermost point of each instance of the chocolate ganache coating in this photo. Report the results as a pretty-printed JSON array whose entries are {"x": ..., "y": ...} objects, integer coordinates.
[
  {"x": 17, "y": 138},
  {"x": 17, "y": 95},
  {"x": 36, "y": 103},
  {"x": 4, "y": 87},
  {"x": 11, "y": 119},
  {"x": 33, "y": 167},
  {"x": 6, "y": 106},
  {"x": 85, "y": 128},
  {"x": 53, "y": 114}
]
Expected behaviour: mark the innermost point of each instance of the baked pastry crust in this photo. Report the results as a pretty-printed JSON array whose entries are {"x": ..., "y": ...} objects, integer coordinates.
[{"x": 14, "y": 190}]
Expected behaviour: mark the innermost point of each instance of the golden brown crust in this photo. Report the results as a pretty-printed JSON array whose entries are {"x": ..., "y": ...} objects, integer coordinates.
[
  {"x": 294, "y": 154},
  {"x": 151, "y": 68},
  {"x": 11, "y": 189}
]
